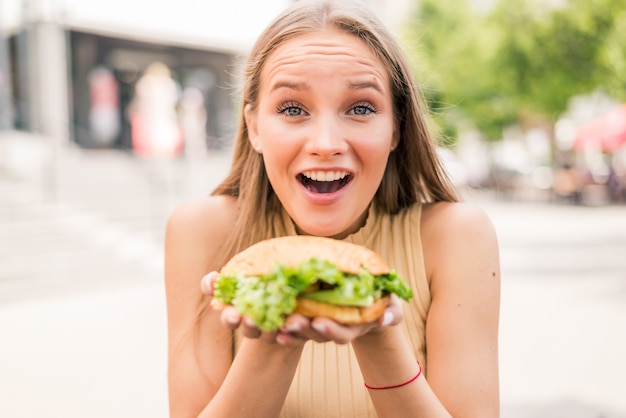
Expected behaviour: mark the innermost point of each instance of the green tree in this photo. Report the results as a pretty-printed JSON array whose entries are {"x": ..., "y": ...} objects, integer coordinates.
[
  {"x": 552, "y": 55},
  {"x": 452, "y": 48},
  {"x": 521, "y": 61},
  {"x": 612, "y": 55}
]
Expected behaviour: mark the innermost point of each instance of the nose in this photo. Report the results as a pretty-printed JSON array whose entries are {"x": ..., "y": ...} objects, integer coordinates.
[{"x": 326, "y": 137}]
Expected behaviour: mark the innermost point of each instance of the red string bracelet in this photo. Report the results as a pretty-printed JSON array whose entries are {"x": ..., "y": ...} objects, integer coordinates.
[{"x": 419, "y": 372}]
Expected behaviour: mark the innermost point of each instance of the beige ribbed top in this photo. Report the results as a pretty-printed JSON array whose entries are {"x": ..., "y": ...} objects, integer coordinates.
[{"x": 328, "y": 382}]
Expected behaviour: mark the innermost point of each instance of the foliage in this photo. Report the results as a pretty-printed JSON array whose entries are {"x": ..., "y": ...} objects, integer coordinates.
[{"x": 523, "y": 57}]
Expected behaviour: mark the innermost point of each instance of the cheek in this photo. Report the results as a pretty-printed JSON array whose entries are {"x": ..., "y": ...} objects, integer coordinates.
[
  {"x": 275, "y": 133},
  {"x": 278, "y": 154},
  {"x": 374, "y": 143},
  {"x": 280, "y": 144}
]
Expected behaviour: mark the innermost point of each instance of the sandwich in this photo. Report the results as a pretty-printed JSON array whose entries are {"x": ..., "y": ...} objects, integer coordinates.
[{"x": 313, "y": 276}]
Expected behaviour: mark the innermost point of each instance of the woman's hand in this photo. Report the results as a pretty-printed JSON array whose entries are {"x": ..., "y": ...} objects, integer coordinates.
[
  {"x": 298, "y": 328},
  {"x": 324, "y": 329}
]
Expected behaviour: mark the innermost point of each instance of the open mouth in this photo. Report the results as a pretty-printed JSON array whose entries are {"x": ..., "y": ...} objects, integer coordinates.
[{"x": 324, "y": 181}]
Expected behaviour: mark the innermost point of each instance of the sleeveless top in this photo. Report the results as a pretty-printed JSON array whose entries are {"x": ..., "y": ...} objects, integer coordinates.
[{"x": 328, "y": 381}]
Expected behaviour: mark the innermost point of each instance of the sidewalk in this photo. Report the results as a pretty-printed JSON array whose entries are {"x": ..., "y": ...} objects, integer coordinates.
[
  {"x": 82, "y": 309},
  {"x": 563, "y": 310},
  {"x": 99, "y": 353},
  {"x": 92, "y": 216}
]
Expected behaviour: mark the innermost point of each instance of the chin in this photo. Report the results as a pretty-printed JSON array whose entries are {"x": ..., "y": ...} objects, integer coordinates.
[
  {"x": 331, "y": 221},
  {"x": 318, "y": 231},
  {"x": 324, "y": 228}
]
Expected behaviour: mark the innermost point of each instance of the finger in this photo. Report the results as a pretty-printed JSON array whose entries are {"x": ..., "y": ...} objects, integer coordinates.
[
  {"x": 289, "y": 340},
  {"x": 300, "y": 327},
  {"x": 249, "y": 328},
  {"x": 296, "y": 323},
  {"x": 207, "y": 282},
  {"x": 393, "y": 314},
  {"x": 340, "y": 334},
  {"x": 311, "y": 334},
  {"x": 230, "y": 317},
  {"x": 268, "y": 337}
]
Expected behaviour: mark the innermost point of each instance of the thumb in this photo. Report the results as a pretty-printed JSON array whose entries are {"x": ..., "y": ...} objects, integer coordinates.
[
  {"x": 393, "y": 314},
  {"x": 207, "y": 282}
]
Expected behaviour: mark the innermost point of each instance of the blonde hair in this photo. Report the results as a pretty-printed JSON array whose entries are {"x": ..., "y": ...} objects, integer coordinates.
[{"x": 413, "y": 173}]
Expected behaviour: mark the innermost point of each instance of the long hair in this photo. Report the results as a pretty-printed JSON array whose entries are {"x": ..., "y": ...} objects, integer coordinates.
[{"x": 413, "y": 173}]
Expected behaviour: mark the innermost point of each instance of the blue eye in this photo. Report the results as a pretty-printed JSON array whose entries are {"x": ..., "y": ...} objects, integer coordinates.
[
  {"x": 290, "y": 109},
  {"x": 293, "y": 111},
  {"x": 362, "y": 110}
]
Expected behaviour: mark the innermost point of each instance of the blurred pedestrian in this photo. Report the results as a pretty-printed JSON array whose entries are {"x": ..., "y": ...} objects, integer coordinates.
[
  {"x": 104, "y": 112},
  {"x": 192, "y": 115},
  {"x": 333, "y": 142},
  {"x": 616, "y": 182},
  {"x": 154, "y": 122},
  {"x": 567, "y": 184}
]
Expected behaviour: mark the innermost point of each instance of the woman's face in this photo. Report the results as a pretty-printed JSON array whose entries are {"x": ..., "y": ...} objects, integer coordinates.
[{"x": 324, "y": 123}]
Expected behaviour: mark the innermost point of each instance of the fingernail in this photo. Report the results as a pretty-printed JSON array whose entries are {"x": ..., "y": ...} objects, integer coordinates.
[
  {"x": 387, "y": 319},
  {"x": 294, "y": 327},
  {"x": 281, "y": 339},
  {"x": 321, "y": 328},
  {"x": 205, "y": 284},
  {"x": 232, "y": 318}
]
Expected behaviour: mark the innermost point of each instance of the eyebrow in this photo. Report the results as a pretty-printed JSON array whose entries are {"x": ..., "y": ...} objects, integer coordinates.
[
  {"x": 365, "y": 85},
  {"x": 292, "y": 86}
]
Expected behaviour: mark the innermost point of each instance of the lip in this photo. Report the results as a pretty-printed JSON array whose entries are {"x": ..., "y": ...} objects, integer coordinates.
[{"x": 324, "y": 198}]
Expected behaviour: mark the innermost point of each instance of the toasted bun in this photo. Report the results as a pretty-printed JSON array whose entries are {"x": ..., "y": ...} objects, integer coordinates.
[
  {"x": 261, "y": 257},
  {"x": 348, "y": 315}
]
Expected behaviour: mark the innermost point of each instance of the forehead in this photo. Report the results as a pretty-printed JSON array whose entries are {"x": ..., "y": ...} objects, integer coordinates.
[{"x": 328, "y": 51}]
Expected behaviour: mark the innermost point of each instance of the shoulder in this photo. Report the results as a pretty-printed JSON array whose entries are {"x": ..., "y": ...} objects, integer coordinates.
[
  {"x": 199, "y": 227},
  {"x": 453, "y": 217},
  {"x": 209, "y": 212},
  {"x": 456, "y": 231},
  {"x": 195, "y": 234}
]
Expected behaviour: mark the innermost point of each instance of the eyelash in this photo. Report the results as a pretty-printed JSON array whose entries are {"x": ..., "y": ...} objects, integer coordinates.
[
  {"x": 365, "y": 105},
  {"x": 286, "y": 107}
]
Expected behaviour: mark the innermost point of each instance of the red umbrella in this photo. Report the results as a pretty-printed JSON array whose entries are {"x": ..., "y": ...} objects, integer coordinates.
[{"x": 606, "y": 133}]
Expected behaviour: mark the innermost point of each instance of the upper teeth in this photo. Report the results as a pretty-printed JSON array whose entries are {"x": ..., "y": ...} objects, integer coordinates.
[{"x": 325, "y": 175}]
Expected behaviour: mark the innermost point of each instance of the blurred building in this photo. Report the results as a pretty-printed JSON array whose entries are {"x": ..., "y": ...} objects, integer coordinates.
[
  {"x": 72, "y": 66},
  {"x": 69, "y": 68},
  {"x": 5, "y": 95}
]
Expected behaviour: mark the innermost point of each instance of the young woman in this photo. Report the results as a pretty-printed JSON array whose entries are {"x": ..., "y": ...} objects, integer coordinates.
[{"x": 333, "y": 141}]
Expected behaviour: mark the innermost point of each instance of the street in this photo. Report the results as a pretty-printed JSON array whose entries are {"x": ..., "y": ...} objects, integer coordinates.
[
  {"x": 563, "y": 314},
  {"x": 82, "y": 309}
]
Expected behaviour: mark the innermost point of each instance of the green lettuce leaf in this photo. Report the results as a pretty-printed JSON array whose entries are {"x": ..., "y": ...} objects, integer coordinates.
[{"x": 268, "y": 299}]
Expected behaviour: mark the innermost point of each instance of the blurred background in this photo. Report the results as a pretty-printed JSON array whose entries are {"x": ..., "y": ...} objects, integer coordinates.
[{"x": 112, "y": 113}]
